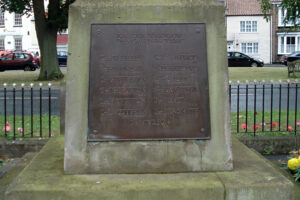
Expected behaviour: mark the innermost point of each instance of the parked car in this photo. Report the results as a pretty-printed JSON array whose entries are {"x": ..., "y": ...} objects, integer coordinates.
[
  {"x": 17, "y": 60},
  {"x": 36, "y": 58},
  {"x": 291, "y": 57},
  {"x": 237, "y": 59},
  {"x": 62, "y": 57}
]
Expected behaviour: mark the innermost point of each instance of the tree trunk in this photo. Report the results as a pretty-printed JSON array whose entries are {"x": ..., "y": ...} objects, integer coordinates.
[
  {"x": 46, "y": 35},
  {"x": 49, "y": 63}
]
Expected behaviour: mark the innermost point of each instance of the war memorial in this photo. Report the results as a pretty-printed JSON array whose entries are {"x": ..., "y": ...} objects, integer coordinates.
[{"x": 147, "y": 113}]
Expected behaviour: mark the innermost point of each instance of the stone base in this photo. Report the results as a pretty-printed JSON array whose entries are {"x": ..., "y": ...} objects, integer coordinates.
[
  {"x": 82, "y": 157},
  {"x": 252, "y": 178}
]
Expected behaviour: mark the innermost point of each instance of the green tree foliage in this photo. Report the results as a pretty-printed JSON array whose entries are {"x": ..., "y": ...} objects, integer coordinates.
[
  {"x": 291, "y": 6},
  {"x": 48, "y": 21}
]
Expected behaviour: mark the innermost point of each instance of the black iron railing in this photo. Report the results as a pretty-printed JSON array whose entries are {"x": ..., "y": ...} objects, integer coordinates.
[
  {"x": 25, "y": 111},
  {"x": 256, "y": 108},
  {"x": 262, "y": 107}
]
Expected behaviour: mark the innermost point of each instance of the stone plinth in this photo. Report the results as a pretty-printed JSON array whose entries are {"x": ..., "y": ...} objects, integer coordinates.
[
  {"x": 161, "y": 156},
  {"x": 251, "y": 179}
]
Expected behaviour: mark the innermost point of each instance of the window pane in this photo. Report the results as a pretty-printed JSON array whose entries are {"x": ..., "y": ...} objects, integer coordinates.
[
  {"x": 237, "y": 54},
  {"x": 18, "y": 44},
  {"x": 254, "y": 26},
  {"x": 2, "y": 47},
  {"x": 19, "y": 56},
  {"x": 2, "y": 22},
  {"x": 255, "y": 47},
  {"x": 7, "y": 57},
  {"x": 18, "y": 19},
  {"x": 248, "y": 26},
  {"x": 249, "y": 47},
  {"x": 244, "y": 47},
  {"x": 290, "y": 44},
  {"x": 282, "y": 16},
  {"x": 281, "y": 44},
  {"x": 242, "y": 26}
]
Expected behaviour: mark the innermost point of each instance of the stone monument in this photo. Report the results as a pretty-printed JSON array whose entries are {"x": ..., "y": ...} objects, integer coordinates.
[
  {"x": 146, "y": 101},
  {"x": 147, "y": 89}
]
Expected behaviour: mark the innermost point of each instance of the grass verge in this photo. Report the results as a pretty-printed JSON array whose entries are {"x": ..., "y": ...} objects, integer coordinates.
[
  {"x": 27, "y": 78},
  {"x": 279, "y": 126},
  {"x": 55, "y": 127},
  {"x": 260, "y": 73}
]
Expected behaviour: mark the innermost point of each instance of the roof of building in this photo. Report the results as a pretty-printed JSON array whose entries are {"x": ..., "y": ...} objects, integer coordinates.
[
  {"x": 243, "y": 7},
  {"x": 62, "y": 39}
]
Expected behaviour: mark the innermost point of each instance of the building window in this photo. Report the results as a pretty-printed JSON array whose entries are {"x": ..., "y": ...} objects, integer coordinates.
[
  {"x": 2, "y": 46},
  {"x": 18, "y": 44},
  {"x": 255, "y": 47},
  {"x": 242, "y": 26},
  {"x": 248, "y": 26},
  {"x": 288, "y": 43},
  {"x": 281, "y": 45},
  {"x": 244, "y": 47},
  {"x": 18, "y": 19},
  {"x": 250, "y": 48},
  {"x": 254, "y": 26},
  {"x": 2, "y": 22},
  {"x": 281, "y": 15}
]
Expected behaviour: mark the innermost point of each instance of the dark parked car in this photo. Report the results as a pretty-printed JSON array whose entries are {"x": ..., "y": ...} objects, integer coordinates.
[
  {"x": 17, "y": 60},
  {"x": 62, "y": 57},
  {"x": 290, "y": 58},
  {"x": 237, "y": 59}
]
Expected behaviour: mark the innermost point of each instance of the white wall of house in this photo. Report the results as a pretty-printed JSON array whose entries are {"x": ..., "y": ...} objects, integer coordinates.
[
  {"x": 253, "y": 38},
  {"x": 12, "y": 33},
  {"x": 288, "y": 42}
]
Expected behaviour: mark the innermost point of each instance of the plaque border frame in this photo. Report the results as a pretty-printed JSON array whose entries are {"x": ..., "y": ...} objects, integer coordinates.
[{"x": 150, "y": 139}]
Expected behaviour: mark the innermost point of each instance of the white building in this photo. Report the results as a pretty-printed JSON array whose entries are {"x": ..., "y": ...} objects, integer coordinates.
[
  {"x": 17, "y": 32},
  {"x": 247, "y": 30},
  {"x": 288, "y": 40}
]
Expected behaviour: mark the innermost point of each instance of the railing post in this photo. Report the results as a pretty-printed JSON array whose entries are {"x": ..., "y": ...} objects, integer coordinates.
[
  {"x": 31, "y": 108},
  {"x": 279, "y": 113},
  {"x": 41, "y": 111},
  {"x": 254, "y": 112},
  {"x": 49, "y": 84},
  {"x": 271, "y": 117},
  {"x": 246, "y": 106},
  {"x": 23, "y": 127},
  {"x": 14, "y": 109},
  {"x": 238, "y": 107},
  {"x": 5, "y": 113},
  {"x": 288, "y": 105}
]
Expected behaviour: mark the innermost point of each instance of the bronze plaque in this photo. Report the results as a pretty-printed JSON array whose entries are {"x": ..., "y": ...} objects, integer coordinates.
[{"x": 148, "y": 82}]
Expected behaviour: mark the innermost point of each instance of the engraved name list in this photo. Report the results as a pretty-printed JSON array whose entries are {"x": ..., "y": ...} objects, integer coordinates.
[{"x": 148, "y": 82}]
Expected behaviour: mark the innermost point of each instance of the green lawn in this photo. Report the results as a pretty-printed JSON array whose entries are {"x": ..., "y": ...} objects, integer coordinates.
[
  {"x": 55, "y": 126},
  {"x": 26, "y": 77},
  {"x": 260, "y": 73},
  {"x": 235, "y": 73},
  {"x": 267, "y": 120}
]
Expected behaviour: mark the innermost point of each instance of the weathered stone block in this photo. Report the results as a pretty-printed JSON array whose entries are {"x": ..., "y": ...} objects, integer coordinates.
[{"x": 146, "y": 156}]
